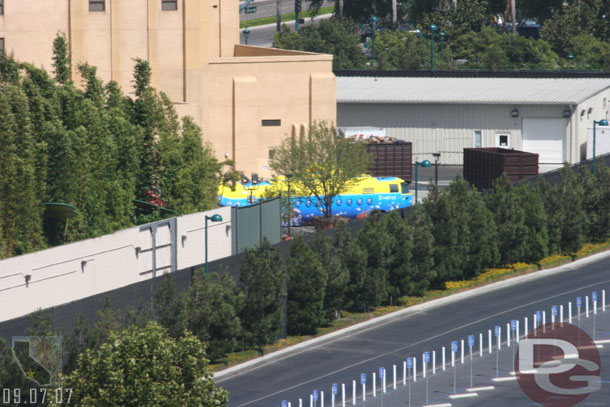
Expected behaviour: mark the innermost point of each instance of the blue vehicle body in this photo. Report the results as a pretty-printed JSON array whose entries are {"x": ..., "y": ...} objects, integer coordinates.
[{"x": 350, "y": 205}]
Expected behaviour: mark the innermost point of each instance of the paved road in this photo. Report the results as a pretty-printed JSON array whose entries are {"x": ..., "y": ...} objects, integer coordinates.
[
  {"x": 262, "y": 36},
  {"x": 266, "y": 8},
  {"x": 343, "y": 359}
]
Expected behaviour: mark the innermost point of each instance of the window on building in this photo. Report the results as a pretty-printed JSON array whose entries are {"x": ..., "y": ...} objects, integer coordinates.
[
  {"x": 478, "y": 139},
  {"x": 169, "y": 4},
  {"x": 97, "y": 5},
  {"x": 503, "y": 140},
  {"x": 275, "y": 122},
  {"x": 1, "y": 47},
  {"x": 1, "y": 7}
]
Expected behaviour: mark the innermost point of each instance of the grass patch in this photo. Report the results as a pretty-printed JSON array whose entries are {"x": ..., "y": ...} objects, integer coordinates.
[
  {"x": 452, "y": 287},
  {"x": 285, "y": 17}
]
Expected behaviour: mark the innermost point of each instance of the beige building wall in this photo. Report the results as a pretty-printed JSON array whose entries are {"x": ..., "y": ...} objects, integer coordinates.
[{"x": 196, "y": 59}]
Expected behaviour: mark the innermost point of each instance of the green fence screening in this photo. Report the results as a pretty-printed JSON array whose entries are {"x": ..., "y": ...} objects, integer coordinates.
[{"x": 251, "y": 224}]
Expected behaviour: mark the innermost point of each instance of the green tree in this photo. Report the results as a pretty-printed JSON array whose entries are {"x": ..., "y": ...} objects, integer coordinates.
[
  {"x": 261, "y": 279},
  {"x": 401, "y": 50},
  {"x": 596, "y": 202},
  {"x": 327, "y": 37},
  {"x": 509, "y": 216},
  {"x": 323, "y": 164},
  {"x": 421, "y": 271},
  {"x": 337, "y": 277},
  {"x": 567, "y": 220},
  {"x": 306, "y": 289},
  {"x": 354, "y": 259},
  {"x": 145, "y": 366},
  {"x": 465, "y": 234},
  {"x": 211, "y": 307},
  {"x": 21, "y": 208},
  {"x": 61, "y": 58},
  {"x": 376, "y": 242},
  {"x": 536, "y": 239},
  {"x": 589, "y": 53}
]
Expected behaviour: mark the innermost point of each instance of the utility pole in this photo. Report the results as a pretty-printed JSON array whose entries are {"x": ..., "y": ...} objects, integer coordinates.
[
  {"x": 340, "y": 11},
  {"x": 278, "y": 11}
]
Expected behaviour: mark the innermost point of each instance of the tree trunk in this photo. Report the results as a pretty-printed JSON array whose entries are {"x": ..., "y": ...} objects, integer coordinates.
[
  {"x": 394, "y": 17},
  {"x": 278, "y": 4},
  {"x": 340, "y": 9},
  {"x": 455, "y": 4},
  {"x": 506, "y": 11},
  {"x": 513, "y": 15}
]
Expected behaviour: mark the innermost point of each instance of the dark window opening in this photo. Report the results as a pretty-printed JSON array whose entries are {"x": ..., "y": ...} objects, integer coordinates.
[
  {"x": 404, "y": 188},
  {"x": 393, "y": 187},
  {"x": 1, "y": 47},
  {"x": 503, "y": 140},
  {"x": 274, "y": 122},
  {"x": 97, "y": 5},
  {"x": 1, "y": 7},
  {"x": 169, "y": 5}
]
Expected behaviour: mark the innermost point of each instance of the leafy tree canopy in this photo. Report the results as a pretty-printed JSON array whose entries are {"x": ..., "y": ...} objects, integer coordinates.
[
  {"x": 323, "y": 163},
  {"x": 145, "y": 367},
  {"x": 328, "y": 37}
]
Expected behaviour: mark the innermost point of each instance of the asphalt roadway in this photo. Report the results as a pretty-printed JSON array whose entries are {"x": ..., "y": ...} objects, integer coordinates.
[
  {"x": 267, "y": 8},
  {"x": 343, "y": 358}
]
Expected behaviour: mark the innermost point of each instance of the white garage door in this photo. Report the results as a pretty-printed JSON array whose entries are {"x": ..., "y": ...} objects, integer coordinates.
[{"x": 545, "y": 137}]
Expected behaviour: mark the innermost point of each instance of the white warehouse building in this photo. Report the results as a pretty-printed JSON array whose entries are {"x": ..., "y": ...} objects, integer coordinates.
[{"x": 546, "y": 116}]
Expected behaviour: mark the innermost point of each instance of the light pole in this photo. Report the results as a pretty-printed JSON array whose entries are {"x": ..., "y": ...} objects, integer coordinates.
[
  {"x": 437, "y": 157},
  {"x": 288, "y": 176},
  {"x": 602, "y": 122},
  {"x": 442, "y": 35},
  {"x": 213, "y": 218},
  {"x": 246, "y": 34},
  {"x": 373, "y": 22},
  {"x": 433, "y": 28},
  {"x": 425, "y": 164}
]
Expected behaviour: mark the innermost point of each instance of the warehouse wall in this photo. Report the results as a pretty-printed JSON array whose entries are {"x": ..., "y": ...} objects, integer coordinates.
[{"x": 446, "y": 129}]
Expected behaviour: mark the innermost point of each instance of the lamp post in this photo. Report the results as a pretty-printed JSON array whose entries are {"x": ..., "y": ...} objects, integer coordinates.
[
  {"x": 373, "y": 22},
  {"x": 442, "y": 35},
  {"x": 433, "y": 28},
  {"x": 437, "y": 157},
  {"x": 213, "y": 218},
  {"x": 288, "y": 176},
  {"x": 246, "y": 34},
  {"x": 425, "y": 164},
  {"x": 602, "y": 122}
]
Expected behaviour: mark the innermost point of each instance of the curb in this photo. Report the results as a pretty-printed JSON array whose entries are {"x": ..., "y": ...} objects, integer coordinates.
[{"x": 415, "y": 308}]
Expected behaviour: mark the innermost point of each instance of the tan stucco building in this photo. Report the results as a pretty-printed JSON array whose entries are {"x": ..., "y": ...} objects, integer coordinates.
[{"x": 245, "y": 98}]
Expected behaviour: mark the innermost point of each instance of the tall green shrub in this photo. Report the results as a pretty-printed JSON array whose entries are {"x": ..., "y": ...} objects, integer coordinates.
[
  {"x": 306, "y": 289},
  {"x": 262, "y": 279}
]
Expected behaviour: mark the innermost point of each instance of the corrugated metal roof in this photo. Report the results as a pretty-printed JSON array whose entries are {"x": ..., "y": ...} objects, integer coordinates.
[{"x": 467, "y": 90}]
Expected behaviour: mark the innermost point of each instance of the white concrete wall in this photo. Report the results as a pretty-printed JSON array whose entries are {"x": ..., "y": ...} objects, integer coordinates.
[{"x": 78, "y": 270}]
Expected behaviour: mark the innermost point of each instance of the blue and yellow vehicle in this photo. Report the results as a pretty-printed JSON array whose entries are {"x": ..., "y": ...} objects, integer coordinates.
[{"x": 361, "y": 197}]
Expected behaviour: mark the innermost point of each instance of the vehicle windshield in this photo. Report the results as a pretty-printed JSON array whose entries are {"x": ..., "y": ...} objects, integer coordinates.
[{"x": 404, "y": 188}]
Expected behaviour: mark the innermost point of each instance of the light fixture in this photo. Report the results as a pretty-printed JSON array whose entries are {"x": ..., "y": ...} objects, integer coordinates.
[
  {"x": 514, "y": 113},
  {"x": 214, "y": 218},
  {"x": 567, "y": 113}
]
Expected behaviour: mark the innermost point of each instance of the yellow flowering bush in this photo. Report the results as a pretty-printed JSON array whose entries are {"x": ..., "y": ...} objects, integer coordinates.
[
  {"x": 554, "y": 260},
  {"x": 590, "y": 248}
]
